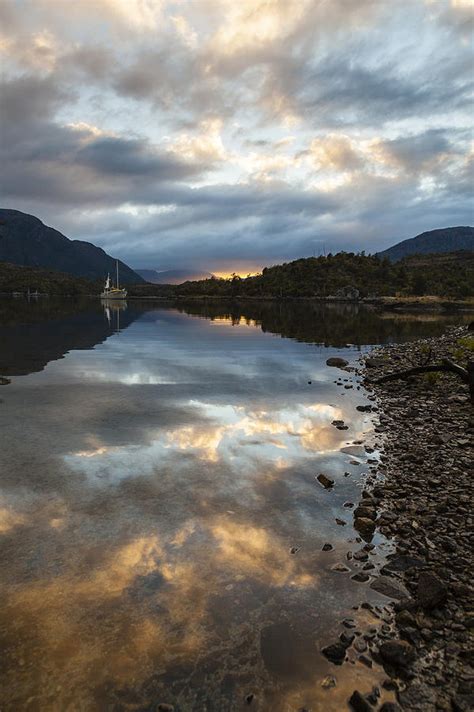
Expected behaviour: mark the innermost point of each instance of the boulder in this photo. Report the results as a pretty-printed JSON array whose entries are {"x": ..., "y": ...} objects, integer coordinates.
[
  {"x": 431, "y": 591},
  {"x": 365, "y": 512},
  {"x": 374, "y": 362},
  {"x": 397, "y": 653},
  {"x": 349, "y": 292},
  {"x": 359, "y": 703},
  {"x": 365, "y": 527},
  {"x": 336, "y": 652},
  {"x": 337, "y": 362},
  {"x": 389, "y": 587}
]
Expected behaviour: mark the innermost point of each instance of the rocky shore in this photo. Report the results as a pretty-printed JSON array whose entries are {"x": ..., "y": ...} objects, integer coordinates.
[{"x": 420, "y": 495}]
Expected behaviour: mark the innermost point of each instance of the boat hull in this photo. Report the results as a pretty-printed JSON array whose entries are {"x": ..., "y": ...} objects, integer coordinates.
[{"x": 114, "y": 294}]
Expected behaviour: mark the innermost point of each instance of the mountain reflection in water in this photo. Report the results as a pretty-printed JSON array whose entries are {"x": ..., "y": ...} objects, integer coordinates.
[{"x": 155, "y": 479}]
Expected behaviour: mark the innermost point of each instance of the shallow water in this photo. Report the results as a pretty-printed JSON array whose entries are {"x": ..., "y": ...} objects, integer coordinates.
[{"x": 158, "y": 469}]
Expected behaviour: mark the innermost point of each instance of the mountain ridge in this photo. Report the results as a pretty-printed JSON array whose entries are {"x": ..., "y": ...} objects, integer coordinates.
[
  {"x": 26, "y": 241},
  {"x": 172, "y": 276},
  {"x": 447, "y": 239}
]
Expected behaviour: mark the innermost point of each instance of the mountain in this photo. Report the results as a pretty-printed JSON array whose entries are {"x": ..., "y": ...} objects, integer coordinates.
[
  {"x": 448, "y": 239},
  {"x": 172, "y": 276},
  {"x": 26, "y": 241}
]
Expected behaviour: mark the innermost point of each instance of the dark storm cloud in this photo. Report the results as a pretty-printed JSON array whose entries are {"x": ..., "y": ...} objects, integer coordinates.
[
  {"x": 130, "y": 157},
  {"x": 70, "y": 164}
]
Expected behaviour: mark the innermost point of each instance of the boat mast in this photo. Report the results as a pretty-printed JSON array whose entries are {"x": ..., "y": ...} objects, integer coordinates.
[{"x": 116, "y": 262}]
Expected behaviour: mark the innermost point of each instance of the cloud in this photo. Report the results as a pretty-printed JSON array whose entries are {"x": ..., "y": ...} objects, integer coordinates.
[{"x": 213, "y": 133}]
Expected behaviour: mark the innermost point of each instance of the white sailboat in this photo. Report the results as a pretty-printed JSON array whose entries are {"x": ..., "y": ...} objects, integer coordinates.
[{"x": 113, "y": 292}]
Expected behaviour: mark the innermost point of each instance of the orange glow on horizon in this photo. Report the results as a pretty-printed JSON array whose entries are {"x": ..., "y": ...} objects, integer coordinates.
[{"x": 240, "y": 273}]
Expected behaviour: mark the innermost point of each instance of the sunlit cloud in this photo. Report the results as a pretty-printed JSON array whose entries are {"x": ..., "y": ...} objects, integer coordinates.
[{"x": 179, "y": 134}]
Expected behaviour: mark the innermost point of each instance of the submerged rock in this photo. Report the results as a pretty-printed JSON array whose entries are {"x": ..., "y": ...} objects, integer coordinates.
[{"x": 337, "y": 362}]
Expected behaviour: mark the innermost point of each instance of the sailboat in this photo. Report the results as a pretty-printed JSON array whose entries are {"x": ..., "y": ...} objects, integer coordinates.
[{"x": 113, "y": 292}]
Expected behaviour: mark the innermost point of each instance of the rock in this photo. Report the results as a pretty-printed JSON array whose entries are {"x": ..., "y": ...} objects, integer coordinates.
[
  {"x": 4, "y": 381},
  {"x": 418, "y": 697},
  {"x": 463, "y": 703},
  {"x": 398, "y": 653},
  {"x": 164, "y": 707},
  {"x": 359, "y": 703},
  {"x": 328, "y": 682},
  {"x": 365, "y": 527},
  {"x": 327, "y": 547},
  {"x": 326, "y": 482},
  {"x": 335, "y": 652},
  {"x": 337, "y": 362},
  {"x": 374, "y": 362},
  {"x": 360, "y": 578},
  {"x": 360, "y": 645},
  {"x": 341, "y": 522},
  {"x": 349, "y": 293},
  {"x": 360, "y": 555},
  {"x": 365, "y": 512},
  {"x": 347, "y": 638},
  {"x": 431, "y": 591},
  {"x": 389, "y": 587},
  {"x": 364, "y": 408},
  {"x": 390, "y": 707},
  {"x": 294, "y": 549},
  {"x": 340, "y": 568},
  {"x": 402, "y": 563},
  {"x": 249, "y": 698}
]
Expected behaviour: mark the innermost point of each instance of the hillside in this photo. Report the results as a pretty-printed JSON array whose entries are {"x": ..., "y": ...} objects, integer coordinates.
[
  {"x": 26, "y": 241},
  {"x": 449, "y": 239},
  {"x": 447, "y": 275},
  {"x": 15, "y": 278},
  {"x": 172, "y": 276}
]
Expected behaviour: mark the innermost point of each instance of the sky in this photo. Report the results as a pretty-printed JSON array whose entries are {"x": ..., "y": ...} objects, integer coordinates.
[{"x": 225, "y": 136}]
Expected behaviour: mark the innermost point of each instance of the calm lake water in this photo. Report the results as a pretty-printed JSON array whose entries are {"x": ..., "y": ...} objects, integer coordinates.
[{"x": 158, "y": 469}]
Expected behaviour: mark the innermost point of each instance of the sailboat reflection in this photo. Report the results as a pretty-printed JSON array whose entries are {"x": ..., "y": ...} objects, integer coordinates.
[{"x": 112, "y": 311}]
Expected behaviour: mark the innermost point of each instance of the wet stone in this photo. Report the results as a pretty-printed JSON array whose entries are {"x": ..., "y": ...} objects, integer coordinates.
[
  {"x": 337, "y": 362},
  {"x": 335, "y": 652},
  {"x": 325, "y": 481},
  {"x": 398, "y": 653},
  {"x": 389, "y": 587},
  {"x": 358, "y": 703}
]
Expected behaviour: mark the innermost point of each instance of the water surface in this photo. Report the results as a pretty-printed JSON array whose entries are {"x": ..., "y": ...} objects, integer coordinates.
[{"x": 161, "y": 525}]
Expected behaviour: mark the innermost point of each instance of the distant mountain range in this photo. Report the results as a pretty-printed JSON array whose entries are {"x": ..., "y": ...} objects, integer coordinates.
[
  {"x": 26, "y": 241},
  {"x": 172, "y": 276},
  {"x": 448, "y": 239}
]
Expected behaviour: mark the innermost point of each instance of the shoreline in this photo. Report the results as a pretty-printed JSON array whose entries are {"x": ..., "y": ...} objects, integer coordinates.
[
  {"x": 419, "y": 496},
  {"x": 431, "y": 304}
]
